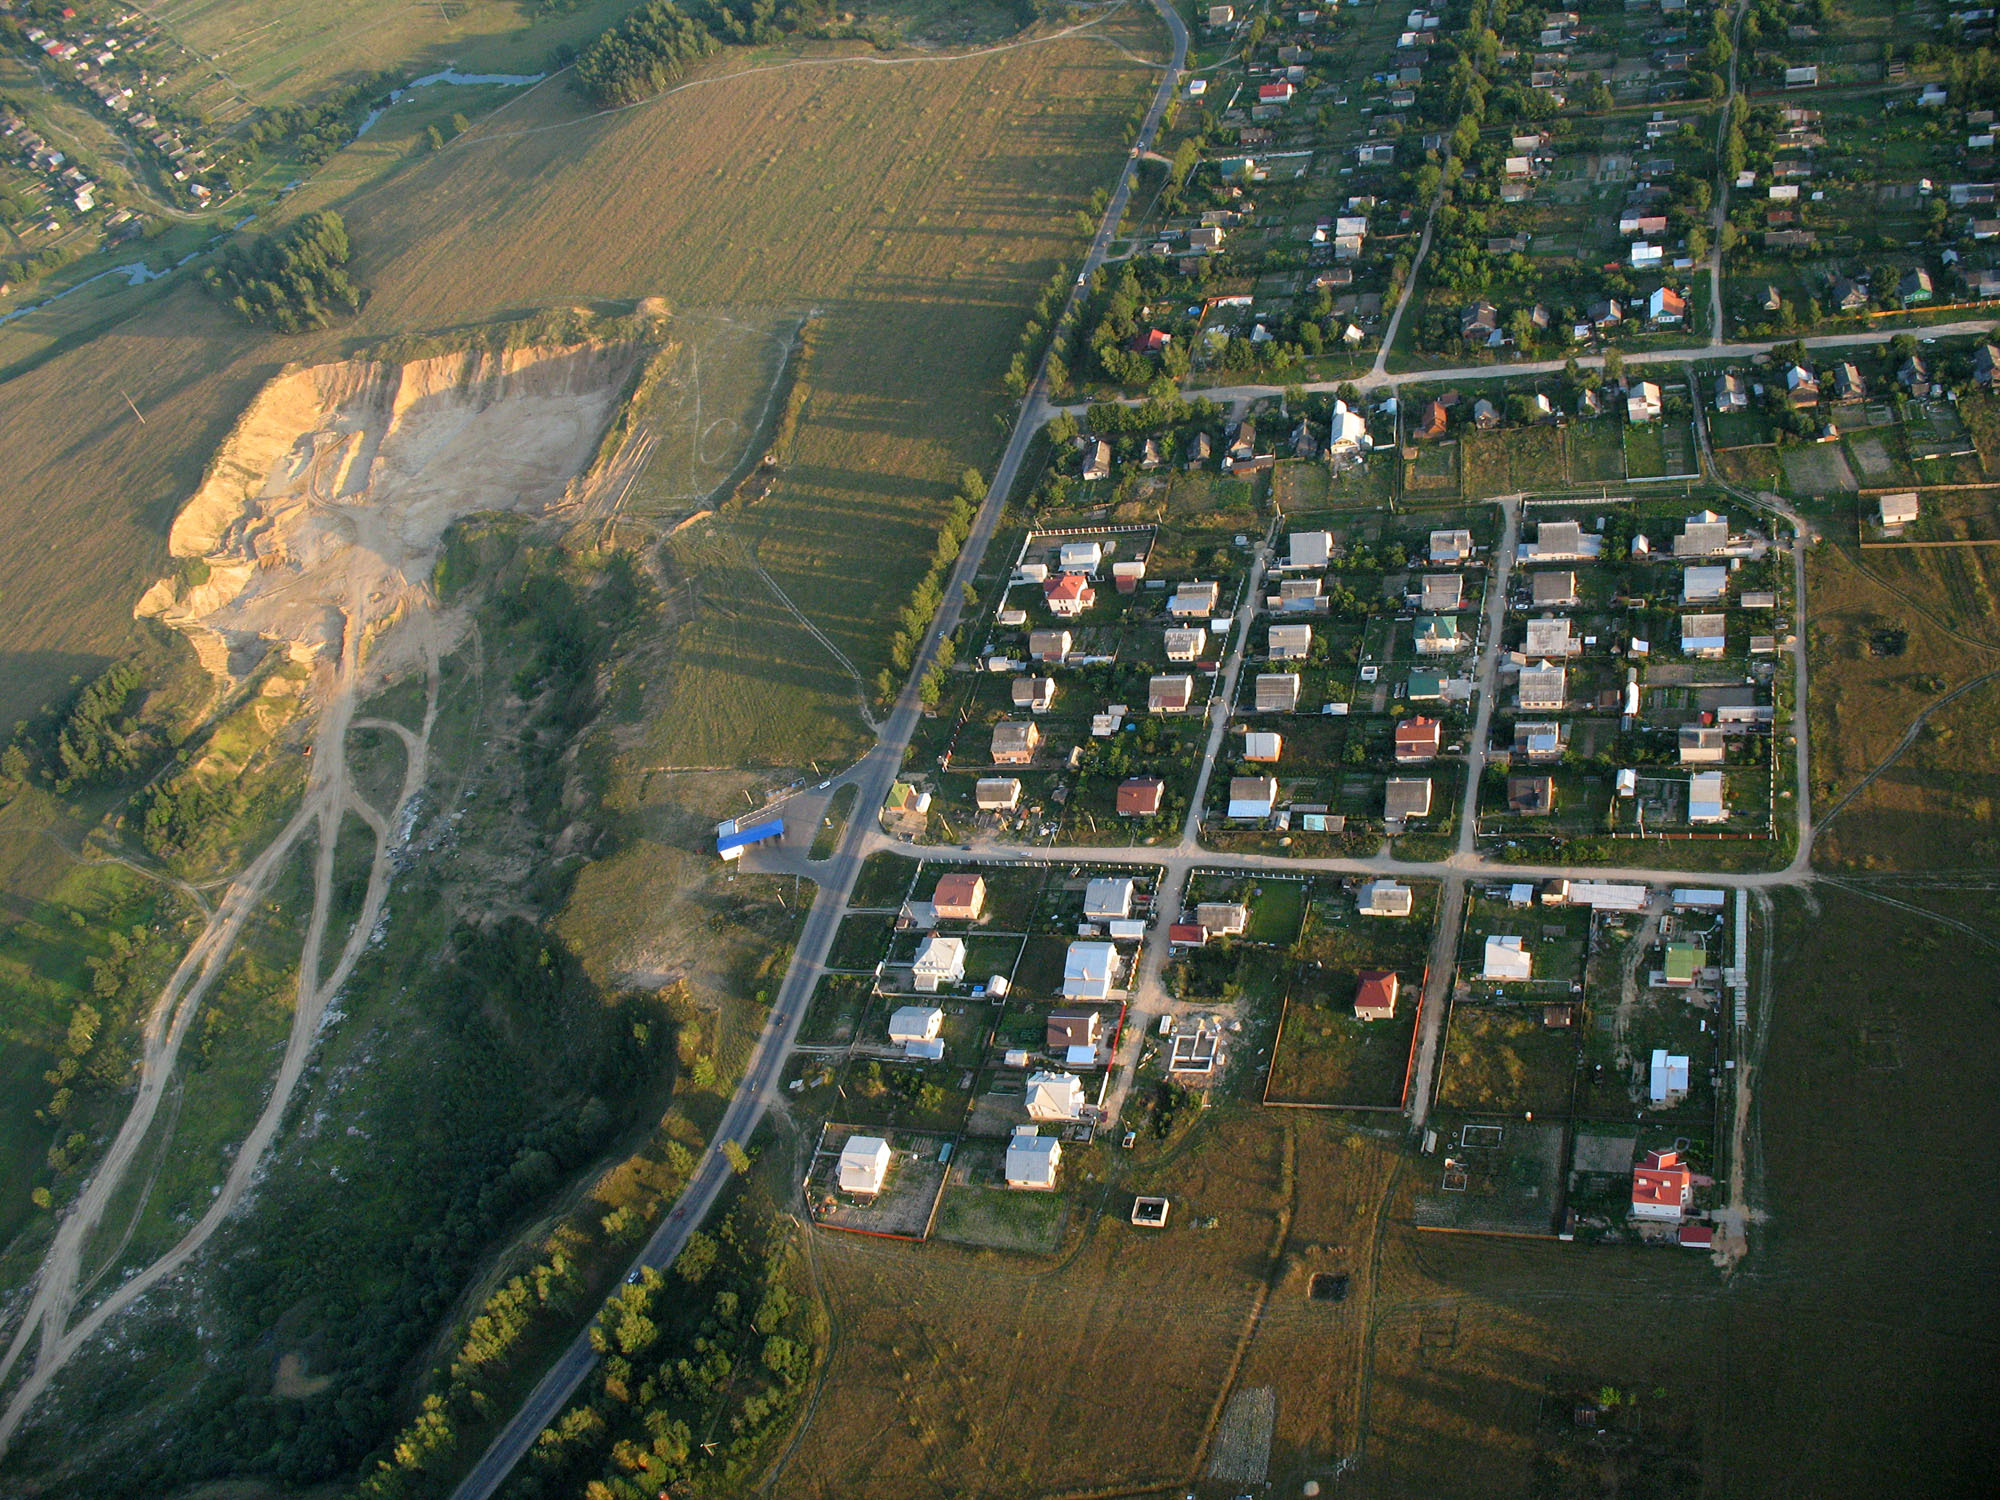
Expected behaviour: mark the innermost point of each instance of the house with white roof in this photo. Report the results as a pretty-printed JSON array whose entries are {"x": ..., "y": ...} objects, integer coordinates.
[
  {"x": 1506, "y": 959},
  {"x": 1310, "y": 549},
  {"x": 1451, "y": 546},
  {"x": 1054, "y": 1096},
  {"x": 1107, "y": 897},
  {"x": 940, "y": 961},
  {"x": 864, "y": 1165},
  {"x": 1705, "y": 798},
  {"x": 1667, "y": 1079},
  {"x": 1089, "y": 970},
  {"x": 915, "y": 1023},
  {"x": 1032, "y": 1159},
  {"x": 1704, "y": 585},
  {"x": 1384, "y": 898}
]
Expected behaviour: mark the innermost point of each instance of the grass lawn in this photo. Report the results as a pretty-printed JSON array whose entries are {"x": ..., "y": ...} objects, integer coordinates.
[
  {"x": 1325, "y": 1056},
  {"x": 1595, "y": 452}
]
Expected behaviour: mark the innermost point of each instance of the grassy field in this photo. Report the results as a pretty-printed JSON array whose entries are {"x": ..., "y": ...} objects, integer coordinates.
[{"x": 1888, "y": 643}]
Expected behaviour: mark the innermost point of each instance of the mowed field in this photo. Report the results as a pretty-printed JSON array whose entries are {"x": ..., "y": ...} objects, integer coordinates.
[
  {"x": 917, "y": 206},
  {"x": 1846, "y": 1356},
  {"x": 1891, "y": 643}
]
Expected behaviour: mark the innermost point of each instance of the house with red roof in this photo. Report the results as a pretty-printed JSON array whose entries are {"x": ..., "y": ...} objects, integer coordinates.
[
  {"x": 1187, "y": 935},
  {"x": 1140, "y": 797},
  {"x": 1416, "y": 740},
  {"x": 1275, "y": 93},
  {"x": 1662, "y": 1187},
  {"x": 1069, "y": 595},
  {"x": 1375, "y": 995}
]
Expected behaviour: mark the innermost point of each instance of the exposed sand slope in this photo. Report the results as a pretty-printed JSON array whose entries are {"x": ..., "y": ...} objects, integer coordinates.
[{"x": 339, "y": 481}]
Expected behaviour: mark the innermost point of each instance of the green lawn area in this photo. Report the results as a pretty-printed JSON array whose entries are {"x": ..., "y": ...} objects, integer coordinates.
[
  {"x": 1645, "y": 451},
  {"x": 1506, "y": 1061},
  {"x": 1325, "y": 1056}
]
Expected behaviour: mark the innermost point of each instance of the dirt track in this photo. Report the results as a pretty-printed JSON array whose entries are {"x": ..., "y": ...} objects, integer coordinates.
[{"x": 320, "y": 523}]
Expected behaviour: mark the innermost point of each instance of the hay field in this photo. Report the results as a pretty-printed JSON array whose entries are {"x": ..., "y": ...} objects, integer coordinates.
[{"x": 919, "y": 206}]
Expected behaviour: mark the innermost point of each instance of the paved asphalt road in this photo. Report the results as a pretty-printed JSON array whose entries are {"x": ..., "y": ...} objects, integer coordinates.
[{"x": 871, "y": 776}]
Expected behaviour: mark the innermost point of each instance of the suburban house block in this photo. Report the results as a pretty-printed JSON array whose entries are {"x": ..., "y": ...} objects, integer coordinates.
[
  {"x": 1542, "y": 689},
  {"x": 1071, "y": 1028},
  {"x": 1169, "y": 695},
  {"x": 1252, "y": 796},
  {"x": 1702, "y": 636},
  {"x": 1438, "y": 635},
  {"x": 1035, "y": 694},
  {"x": 1290, "y": 642},
  {"x": 1068, "y": 595},
  {"x": 1705, "y": 535},
  {"x": 1263, "y": 747},
  {"x": 1538, "y": 741},
  {"x": 1375, "y": 995},
  {"x": 1096, "y": 460},
  {"x": 1015, "y": 742},
  {"x": 1704, "y": 585},
  {"x": 1552, "y": 588},
  {"x": 1451, "y": 546},
  {"x": 1732, "y": 393},
  {"x": 1185, "y": 645},
  {"x": 1299, "y": 595},
  {"x": 1705, "y": 804},
  {"x": 1406, "y": 797},
  {"x": 940, "y": 961},
  {"x": 1549, "y": 637},
  {"x": 1683, "y": 964},
  {"x": 1140, "y": 797},
  {"x": 1385, "y": 898},
  {"x": 1560, "y": 541},
  {"x": 1443, "y": 592},
  {"x": 1896, "y": 511},
  {"x": 864, "y": 1165},
  {"x": 915, "y": 1023},
  {"x": 1277, "y": 692},
  {"x": 1107, "y": 896},
  {"x": 1506, "y": 959},
  {"x": 1662, "y": 1187},
  {"x": 1194, "y": 599},
  {"x": 1531, "y": 796},
  {"x": 1642, "y": 404},
  {"x": 1048, "y": 645},
  {"x": 1701, "y": 746},
  {"x": 959, "y": 898},
  {"x": 1032, "y": 1159},
  {"x": 1080, "y": 557},
  {"x": 1310, "y": 549},
  {"x": 1089, "y": 969},
  {"x": 1222, "y": 918},
  {"x": 1667, "y": 1078},
  {"x": 996, "y": 794},
  {"x": 1417, "y": 740}
]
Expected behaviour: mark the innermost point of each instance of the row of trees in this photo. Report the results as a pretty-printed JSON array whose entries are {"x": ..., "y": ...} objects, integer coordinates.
[
  {"x": 916, "y": 616},
  {"x": 293, "y": 281}
]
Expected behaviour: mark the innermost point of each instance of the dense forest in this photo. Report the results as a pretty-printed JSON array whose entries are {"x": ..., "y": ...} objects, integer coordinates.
[
  {"x": 292, "y": 281},
  {"x": 645, "y": 52}
]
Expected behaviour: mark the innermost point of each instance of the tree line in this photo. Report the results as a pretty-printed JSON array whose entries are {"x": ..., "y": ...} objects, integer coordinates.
[
  {"x": 646, "y": 51},
  {"x": 292, "y": 281}
]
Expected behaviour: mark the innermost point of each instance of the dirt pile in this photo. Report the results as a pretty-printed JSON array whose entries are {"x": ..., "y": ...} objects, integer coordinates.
[{"x": 325, "y": 508}]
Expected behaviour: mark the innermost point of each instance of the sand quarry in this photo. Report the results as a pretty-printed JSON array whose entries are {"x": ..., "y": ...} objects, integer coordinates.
[{"x": 325, "y": 507}]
